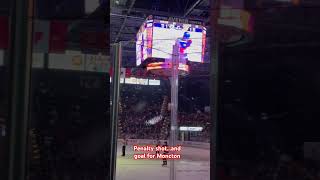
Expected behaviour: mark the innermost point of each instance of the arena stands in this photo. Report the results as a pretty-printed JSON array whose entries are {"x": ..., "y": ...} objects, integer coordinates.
[{"x": 139, "y": 106}]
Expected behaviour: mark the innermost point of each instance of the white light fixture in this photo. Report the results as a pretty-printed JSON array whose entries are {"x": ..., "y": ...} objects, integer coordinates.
[
  {"x": 154, "y": 82},
  {"x": 91, "y": 5},
  {"x": 198, "y": 129}
]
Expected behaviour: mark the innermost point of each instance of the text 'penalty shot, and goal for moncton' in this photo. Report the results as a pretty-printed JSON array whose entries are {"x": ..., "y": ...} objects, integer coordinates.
[{"x": 156, "y": 152}]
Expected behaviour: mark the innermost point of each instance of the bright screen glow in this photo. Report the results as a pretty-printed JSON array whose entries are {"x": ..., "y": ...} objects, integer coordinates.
[
  {"x": 156, "y": 38},
  {"x": 145, "y": 82},
  {"x": 165, "y": 35},
  {"x": 191, "y": 129}
]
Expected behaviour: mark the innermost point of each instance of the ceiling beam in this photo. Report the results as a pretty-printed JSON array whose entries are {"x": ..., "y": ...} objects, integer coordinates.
[
  {"x": 126, "y": 16},
  {"x": 146, "y": 12},
  {"x": 192, "y": 7},
  {"x": 125, "y": 20}
]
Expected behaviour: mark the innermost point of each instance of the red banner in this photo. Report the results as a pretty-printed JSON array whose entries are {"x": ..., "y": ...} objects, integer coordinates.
[
  {"x": 4, "y": 32},
  {"x": 111, "y": 72},
  {"x": 128, "y": 72},
  {"x": 41, "y": 36},
  {"x": 94, "y": 40},
  {"x": 58, "y": 36}
]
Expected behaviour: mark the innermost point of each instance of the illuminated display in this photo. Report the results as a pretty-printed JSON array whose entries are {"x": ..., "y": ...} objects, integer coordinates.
[
  {"x": 154, "y": 82},
  {"x": 156, "y": 38},
  {"x": 140, "y": 81},
  {"x": 191, "y": 128},
  {"x": 161, "y": 65},
  {"x": 131, "y": 80}
]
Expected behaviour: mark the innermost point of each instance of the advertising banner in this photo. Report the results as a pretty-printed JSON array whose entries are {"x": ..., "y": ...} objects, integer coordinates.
[
  {"x": 58, "y": 36},
  {"x": 41, "y": 36},
  {"x": 97, "y": 63},
  {"x": 4, "y": 32},
  {"x": 67, "y": 61},
  {"x": 93, "y": 41},
  {"x": 38, "y": 60}
]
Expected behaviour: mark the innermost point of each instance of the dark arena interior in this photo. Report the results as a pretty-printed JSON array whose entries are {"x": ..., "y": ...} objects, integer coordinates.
[{"x": 247, "y": 110}]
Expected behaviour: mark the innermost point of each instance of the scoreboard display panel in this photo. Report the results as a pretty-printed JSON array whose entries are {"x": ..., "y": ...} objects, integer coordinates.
[{"x": 156, "y": 38}]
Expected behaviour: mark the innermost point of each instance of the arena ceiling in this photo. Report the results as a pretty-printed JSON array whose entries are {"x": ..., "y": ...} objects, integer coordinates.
[
  {"x": 278, "y": 23},
  {"x": 128, "y": 15}
]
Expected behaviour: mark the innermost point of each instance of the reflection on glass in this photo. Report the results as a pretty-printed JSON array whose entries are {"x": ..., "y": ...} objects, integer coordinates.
[
  {"x": 4, "y": 89},
  {"x": 145, "y": 119},
  {"x": 268, "y": 106},
  {"x": 69, "y": 92}
]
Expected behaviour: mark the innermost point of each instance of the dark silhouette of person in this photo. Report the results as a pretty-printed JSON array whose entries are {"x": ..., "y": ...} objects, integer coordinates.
[
  {"x": 125, "y": 142},
  {"x": 164, "y": 160}
]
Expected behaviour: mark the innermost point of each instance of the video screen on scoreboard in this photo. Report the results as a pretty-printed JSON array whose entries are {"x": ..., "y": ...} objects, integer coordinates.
[
  {"x": 165, "y": 35},
  {"x": 140, "y": 50},
  {"x": 156, "y": 38}
]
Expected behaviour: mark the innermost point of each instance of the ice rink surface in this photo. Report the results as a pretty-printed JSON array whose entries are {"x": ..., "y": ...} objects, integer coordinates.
[{"x": 193, "y": 165}]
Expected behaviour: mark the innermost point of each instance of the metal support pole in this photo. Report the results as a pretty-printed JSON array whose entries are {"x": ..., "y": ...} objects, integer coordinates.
[
  {"x": 116, "y": 57},
  {"x": 20, "y": 53},
  {"x": 215, "y": 98},
  {"x": 174, "y": 104}
]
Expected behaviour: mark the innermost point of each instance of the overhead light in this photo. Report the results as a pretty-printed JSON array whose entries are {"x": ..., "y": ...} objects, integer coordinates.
[{"x": 91, "y": 5}]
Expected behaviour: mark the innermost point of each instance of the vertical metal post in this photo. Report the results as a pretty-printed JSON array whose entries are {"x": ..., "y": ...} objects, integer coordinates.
[
  {"x": 214, "y": 85},
  {"x": 215, "y": 100},
  {"x": 116, "y": 57},
  {"x": 20, "y": 53},
  {"x": 174, "y": 104}
]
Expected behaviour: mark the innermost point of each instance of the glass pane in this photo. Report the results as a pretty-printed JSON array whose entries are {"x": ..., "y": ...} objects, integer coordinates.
[
  {"x": 268, "y": 110},
  {"x": 4, "y": 90},
  {"x": 70, "y": 91},
  {"x": 145, "y": 93}
]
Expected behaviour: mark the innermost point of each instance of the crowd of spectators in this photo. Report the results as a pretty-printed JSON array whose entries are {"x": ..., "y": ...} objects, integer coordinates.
[
  {"x": 283, "y": 167},
  {"x": 139, "y": 107},
  {"x": 197, "y": 119},
  {"x": 135, "y": 126}
]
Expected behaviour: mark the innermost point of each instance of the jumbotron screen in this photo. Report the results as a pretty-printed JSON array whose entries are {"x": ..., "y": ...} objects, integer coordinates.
[{"x": 156, "y": 38}]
